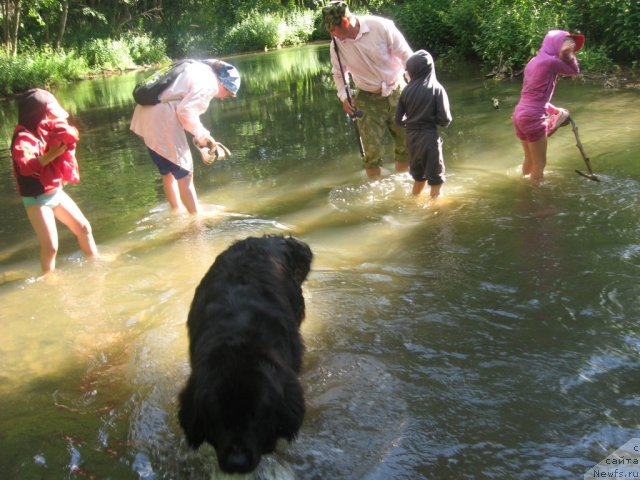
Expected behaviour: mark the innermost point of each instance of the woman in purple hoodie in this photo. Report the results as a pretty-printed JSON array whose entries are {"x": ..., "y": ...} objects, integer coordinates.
[{"x": 534, "y": 118}]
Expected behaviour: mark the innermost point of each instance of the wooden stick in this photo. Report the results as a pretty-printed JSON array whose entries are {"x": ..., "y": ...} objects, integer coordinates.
[{"x": 587, "y": 162}]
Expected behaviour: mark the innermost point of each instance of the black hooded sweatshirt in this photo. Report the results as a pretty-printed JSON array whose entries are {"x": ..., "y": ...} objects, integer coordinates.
[{"x": 423, "y": 103}]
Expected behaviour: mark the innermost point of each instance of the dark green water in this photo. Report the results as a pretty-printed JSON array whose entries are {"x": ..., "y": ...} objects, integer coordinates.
[{"x": 492, "y": 335}]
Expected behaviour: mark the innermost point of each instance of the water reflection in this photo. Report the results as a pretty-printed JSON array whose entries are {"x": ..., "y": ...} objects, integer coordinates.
[{"x": 490, "y": 335}]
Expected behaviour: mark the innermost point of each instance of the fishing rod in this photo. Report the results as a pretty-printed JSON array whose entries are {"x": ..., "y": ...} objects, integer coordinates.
[
  {"x": 587, "y": 162},
  {"x": 356, "y": 113}
]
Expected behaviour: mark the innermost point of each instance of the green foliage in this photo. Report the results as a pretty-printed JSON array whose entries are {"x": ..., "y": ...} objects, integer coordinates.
[
  {"x": 503, "y": 34},
  {"x": 108, "y": 54},
  {"x": 272, "y": 30},
  {"x": 512, "y": 31},
  {"x": 319, "y": 32},
  {"x": 39, "y": 69},
  {"x": 595, "y": 60},
  {"x": 256, "y": 32},
  {"x": 145, "y": 50},
  {"x": 423, "y": 22},
  {"x": 298, "y": 27},
  {"x": 612, "y": 25},
  {"x": 464, "y": 20}
]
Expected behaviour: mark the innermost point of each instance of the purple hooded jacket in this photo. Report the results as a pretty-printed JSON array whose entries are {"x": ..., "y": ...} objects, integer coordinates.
[{"x": 542, "y": 71}]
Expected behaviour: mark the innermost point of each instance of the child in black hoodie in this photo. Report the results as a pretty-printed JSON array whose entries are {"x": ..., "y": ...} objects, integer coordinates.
[{"x": 422, "y": 107}]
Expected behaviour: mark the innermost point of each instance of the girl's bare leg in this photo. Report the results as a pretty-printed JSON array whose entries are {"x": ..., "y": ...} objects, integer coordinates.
[
  {"x": 44, "y": 224},
  {"x": 70, "y": 215}
]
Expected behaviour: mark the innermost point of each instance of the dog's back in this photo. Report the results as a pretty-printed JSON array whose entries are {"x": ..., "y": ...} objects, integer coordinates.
[{"x": 246, "y": 351}]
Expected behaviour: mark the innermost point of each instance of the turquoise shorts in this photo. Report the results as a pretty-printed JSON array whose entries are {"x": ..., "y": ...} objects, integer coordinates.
[{"x": 51, "y": 200}]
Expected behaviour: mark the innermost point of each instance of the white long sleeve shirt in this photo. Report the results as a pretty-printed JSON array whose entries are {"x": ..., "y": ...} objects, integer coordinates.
[
  {"x": 375, "y": 59},
  {"x": 162, "y": 126}
]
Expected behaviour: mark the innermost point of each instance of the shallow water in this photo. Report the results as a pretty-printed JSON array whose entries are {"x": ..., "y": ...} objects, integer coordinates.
[{"x": 493, "y": 334}]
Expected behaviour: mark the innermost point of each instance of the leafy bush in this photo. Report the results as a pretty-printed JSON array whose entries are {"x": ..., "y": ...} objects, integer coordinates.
[
  {"x": 108, "y": 54},
  {"x": 298, "y": 27},
  {"x": 610, "y": 24},
  {"x": 511, "y": 32},
  {"x": 463, "y": 19},
  {"x": 319, "y": 32},
  {"x": 145, "y": 50},
  {"x": 424, "y": 25},
  {"x": 39, "y": 69},
  {"x": 255, "y": 32},
  {"x": 594, "y": 60}
]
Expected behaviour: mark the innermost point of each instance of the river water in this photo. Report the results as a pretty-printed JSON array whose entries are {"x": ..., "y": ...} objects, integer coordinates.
[{"x": 493, "y": 334}]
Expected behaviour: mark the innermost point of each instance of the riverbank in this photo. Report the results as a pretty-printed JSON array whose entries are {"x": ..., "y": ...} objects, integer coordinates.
[{"x": 622, "y": 77}]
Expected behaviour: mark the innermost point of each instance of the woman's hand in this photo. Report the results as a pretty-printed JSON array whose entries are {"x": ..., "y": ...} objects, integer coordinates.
[
  {"x": 50, "y": 155},
  {"x": 567, "y": 50},
  {"x": 206, "y": 141}
]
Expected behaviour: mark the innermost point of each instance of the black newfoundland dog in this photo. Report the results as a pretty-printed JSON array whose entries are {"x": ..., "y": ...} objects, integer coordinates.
[{"x": 246, "y": 351}]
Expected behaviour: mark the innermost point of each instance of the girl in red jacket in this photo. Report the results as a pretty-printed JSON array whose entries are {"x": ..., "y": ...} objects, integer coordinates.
[{"x": 42, "y": 150}]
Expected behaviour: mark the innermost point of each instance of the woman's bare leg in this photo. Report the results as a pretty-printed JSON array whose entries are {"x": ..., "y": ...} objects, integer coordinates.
[
  {"x": 526, "y": 163},
  {"x": 538, "y": 154},
  {"x": 170, "y": 187},
  {"x": 188, "y": 194}
]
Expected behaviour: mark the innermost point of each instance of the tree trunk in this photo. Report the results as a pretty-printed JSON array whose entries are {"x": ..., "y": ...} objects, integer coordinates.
[
  {"x": 63, "y": 23},
  {"x": 10, "y": 24},
  {"x": 15, "y": 11},
  {"x": 5, "y": 26}
]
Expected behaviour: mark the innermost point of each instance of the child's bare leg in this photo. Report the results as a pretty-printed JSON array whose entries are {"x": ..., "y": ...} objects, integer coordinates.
[
  {"x": 44, "y": 224},
  {"x": 435, "y": 190},
  {"x": 70, "y": 215},
  {"x": 418, "y": 186}
]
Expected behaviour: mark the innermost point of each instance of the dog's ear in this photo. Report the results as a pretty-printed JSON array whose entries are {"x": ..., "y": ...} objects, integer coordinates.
[
  {"x": 189, "y": 415},
  {"x": 291, "y": 409},
  {"x": 301, "y": 256}
]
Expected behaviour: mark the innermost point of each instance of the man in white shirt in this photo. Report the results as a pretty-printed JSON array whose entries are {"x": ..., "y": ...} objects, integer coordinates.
[{"x": 373, "y": 53}]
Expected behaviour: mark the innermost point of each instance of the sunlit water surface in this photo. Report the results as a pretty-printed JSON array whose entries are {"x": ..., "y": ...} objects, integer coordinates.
[{"x": 493, "y": 334}]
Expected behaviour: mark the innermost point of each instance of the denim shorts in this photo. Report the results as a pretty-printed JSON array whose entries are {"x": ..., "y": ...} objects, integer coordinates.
[
  {"x": 51, "y": 200},
  {"x": 166, "y": 167}
]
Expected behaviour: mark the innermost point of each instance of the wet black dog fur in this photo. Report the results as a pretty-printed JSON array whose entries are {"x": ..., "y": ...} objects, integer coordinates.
[{"x": 246, "y": 351}]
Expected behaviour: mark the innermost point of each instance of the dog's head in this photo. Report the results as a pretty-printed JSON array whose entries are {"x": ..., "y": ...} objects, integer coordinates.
[
  {"x": 241, "y": 409},
  {"x": 299, "y": 256}
]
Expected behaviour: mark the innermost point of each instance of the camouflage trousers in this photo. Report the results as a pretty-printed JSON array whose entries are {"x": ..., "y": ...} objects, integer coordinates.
[{"x": 379, "y": 118}]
